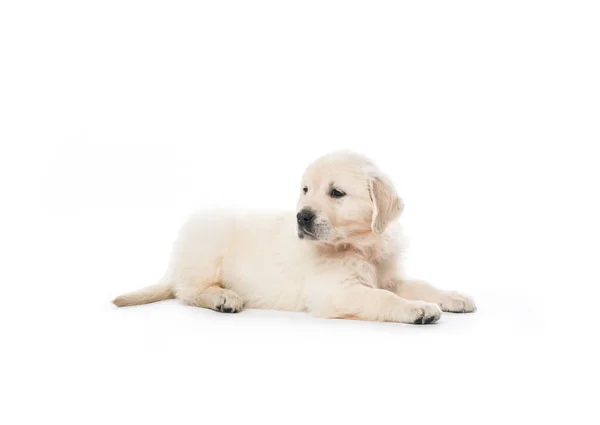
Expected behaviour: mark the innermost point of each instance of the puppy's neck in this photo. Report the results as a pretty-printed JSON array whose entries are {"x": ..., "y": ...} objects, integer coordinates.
[{"x": 373, "y": 248}]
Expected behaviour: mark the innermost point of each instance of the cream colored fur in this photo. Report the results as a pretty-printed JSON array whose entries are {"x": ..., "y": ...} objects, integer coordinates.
[{"x": 347, "y": 267}]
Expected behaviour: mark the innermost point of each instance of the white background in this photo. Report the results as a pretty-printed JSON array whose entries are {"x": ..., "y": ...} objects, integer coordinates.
[{"x": 118, "y": 118}]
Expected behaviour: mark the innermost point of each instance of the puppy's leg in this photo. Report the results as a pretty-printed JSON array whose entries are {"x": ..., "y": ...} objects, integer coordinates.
[
  {"x": 361, "y": 302},
  {"x": 213, "y": 297},
  {"x": 200, "y": 286},
  {"x": 448, "y": 300}
]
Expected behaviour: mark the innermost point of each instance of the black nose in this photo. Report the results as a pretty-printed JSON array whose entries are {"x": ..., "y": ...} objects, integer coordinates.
[{"x": 305, "y": 217}]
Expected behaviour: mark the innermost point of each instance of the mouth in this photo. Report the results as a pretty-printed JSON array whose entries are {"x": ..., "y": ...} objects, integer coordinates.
[{"x": 303, "y": 233}]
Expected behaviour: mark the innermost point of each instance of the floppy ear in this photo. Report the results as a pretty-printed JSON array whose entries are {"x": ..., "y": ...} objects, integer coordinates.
[{"x": 387, "y": 205}]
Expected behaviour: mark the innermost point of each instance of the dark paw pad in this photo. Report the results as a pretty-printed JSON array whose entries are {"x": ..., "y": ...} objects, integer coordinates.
[
  {"x": 425, "y": 320},
  {"x": 428, "y": 319},
  {"x": 224, "y": 309}
]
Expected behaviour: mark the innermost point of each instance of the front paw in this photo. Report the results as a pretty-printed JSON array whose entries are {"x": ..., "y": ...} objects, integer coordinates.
[
  {"x": 455, "y": 302},
  {"x": 423, "y": 313}
]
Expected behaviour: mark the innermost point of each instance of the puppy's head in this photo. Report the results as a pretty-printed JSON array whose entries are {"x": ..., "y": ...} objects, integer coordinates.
[{"x": 343, "y": 198}]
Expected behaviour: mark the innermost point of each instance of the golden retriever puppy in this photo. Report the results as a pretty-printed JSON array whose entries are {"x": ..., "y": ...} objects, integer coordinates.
[{"x": 337, "y": 257}]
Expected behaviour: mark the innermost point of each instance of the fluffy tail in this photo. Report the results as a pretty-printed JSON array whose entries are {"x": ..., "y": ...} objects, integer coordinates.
[{"x": 150, "y": 294}]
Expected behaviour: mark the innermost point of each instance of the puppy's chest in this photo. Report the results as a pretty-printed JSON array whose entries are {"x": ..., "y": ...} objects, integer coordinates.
[{"x": 366, "y": 272}]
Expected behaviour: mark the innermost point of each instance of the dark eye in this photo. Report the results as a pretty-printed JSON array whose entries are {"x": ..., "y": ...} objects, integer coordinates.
[
  {"x": 336, "y": 193},
  {"x": 305, "y": 189}
]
